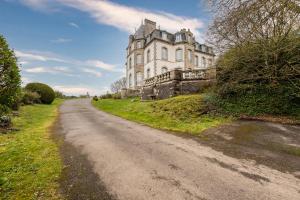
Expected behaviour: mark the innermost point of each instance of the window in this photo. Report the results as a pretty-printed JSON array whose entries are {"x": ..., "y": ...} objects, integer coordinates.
[
  {"x": 130, "y": 80},
  {"x": 178, "y": 37},
  {"x": 164, "y": 70},
  {"x": 203, "y": 62},
  {"x": 148, "y": 73},
  {"x": 209, "y": 62},
  {"x": 129, "y": 63},
  {"x": 148, "y": 56},
  {"x": 190, "y": 55},
  {"x": 164, "y": 53},
  {"x": 164, "y": 35},
  {"x": 139, "y": 44},
  {"x": 196, "y": 61},
  {"x": 139, "y": 59},
  {"x": 178, "y": 54},
  {"x": 139, "y": 78}
]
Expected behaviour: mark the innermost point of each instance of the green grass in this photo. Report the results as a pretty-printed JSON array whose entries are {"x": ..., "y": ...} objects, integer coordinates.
[
  {"x": 29, "y": 159},
  {"x": 180, "y": 114}
]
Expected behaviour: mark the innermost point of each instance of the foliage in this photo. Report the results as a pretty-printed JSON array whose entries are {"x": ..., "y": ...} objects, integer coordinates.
[
  {"x": 117, "y": 86},
  {"x": 95, "y": 98},
  {"x": 116, "y": 95},
  {"x": 182, "y": 113},
  {"x": 59, "y": 95},
  {"x": 30, "y": 165},
  {"x": 259, "y": 68},
  {"x": 10, "y": 80},
  {"x": 5, "y": 121},
  {"x": 46, "y": 92},
  {"x": 30, "y": 97},
  {"x": 106, "y": 96}
]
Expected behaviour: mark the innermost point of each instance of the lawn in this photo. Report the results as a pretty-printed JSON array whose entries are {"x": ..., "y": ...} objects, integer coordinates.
[
  {"x": 29, "y": 159},
  {"x": 179, "y": 114}
]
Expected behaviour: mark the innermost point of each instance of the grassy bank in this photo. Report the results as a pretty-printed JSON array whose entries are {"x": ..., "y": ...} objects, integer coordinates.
[
  {"x": 182, "y": 113},
  {"x": 29, "y": 159}
]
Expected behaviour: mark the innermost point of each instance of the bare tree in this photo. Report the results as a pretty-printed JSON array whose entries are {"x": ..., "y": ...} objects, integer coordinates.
[{"x": 118, "y": 85}]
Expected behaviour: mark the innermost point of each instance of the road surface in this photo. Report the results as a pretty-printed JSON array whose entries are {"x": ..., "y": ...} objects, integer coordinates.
[{"x": 136, "y": 162}]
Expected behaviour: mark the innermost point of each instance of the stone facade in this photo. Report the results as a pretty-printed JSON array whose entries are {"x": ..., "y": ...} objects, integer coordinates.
[
  {"x": 177, "y": 82},
  {"x": 152, "y": 52}
]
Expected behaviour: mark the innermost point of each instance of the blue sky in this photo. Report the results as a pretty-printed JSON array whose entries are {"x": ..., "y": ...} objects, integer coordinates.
[{"x": 78, "y": 46}]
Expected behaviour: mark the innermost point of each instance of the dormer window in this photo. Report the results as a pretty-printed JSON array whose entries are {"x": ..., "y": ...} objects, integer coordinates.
[
  {"x": 178, "y": 37},
  {"x": 164, "y": 35},
  {"x": 139, "y": 44}
]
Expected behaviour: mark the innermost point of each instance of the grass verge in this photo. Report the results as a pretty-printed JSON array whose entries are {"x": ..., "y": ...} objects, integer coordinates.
[
  {"x": 180, "y": 114},
  {"x": 29, "y": 159}
]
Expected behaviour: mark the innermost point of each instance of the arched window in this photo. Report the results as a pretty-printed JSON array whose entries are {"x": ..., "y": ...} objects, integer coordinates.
[
  {"x": 139, "y": 78},
  {"x": 203, "y": 62},
  {"x": 196, "y": 61},
  {"x": 148, "y": 73},
  {"x": 190, "y": 55},
  {"x": 164, "y": 70},
  {"x": 139, "y": 59},
  {"x": 148, "y": 56},
  {"x": 130, "y": 63},
  {"x": 164, "y": 53},
  {"x": 130, "y": 80},
  {"x": 179, "y": 54}
]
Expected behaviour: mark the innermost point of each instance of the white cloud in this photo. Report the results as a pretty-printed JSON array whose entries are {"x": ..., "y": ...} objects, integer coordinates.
[
  {"x": 73, "y": 25},
  {"x": 100, "y": 64},
  {"x": 123, "y": 17},
  {"x": 51, "y": 70},
  {"x": 79, "y": 90},
  {"x": 93, "y": 72},
  {"x": 37, "y": 56},
  {"x": 61, "y": 40}
]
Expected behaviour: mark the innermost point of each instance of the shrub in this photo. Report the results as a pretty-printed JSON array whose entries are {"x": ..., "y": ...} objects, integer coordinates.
[
  {"x": 116, "y": 96},
  {"x": 95, "y": 98},
  {"x": 30, "y": 97},
  {"x": 5, "y": 121},
  {"x": 47, "y": 93},
  {"x": 9, "y": 76},
  {"x": 106, "y": 96},
  {"x": 59, "y": 95}
]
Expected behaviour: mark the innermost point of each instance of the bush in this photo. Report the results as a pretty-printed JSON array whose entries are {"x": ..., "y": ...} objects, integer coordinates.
[
  {"x": 10, "y": 80},
  {"x": 5, "y": 121},
  {"x": 95, "y": 98},
  {"x": 30, "y": 98},
  {"x": 116, "y": 96},
  {"x": 106, "y": 96},
  {"x": 47, "y": 93},
  {"x": 59, "y": 95}
]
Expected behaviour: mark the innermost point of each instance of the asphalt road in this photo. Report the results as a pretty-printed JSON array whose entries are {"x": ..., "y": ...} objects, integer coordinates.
[{"x": 137, "y": 162}]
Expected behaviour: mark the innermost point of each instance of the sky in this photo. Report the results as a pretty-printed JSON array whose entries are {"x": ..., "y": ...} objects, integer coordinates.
[{"x": 79, "y": 46}]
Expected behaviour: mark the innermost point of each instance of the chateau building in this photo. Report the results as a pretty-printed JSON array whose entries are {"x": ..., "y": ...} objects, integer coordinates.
[{"x": 152, "y": 52}]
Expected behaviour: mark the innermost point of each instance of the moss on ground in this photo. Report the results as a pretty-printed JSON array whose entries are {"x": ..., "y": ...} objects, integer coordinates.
[
  {"x": 30, "y": 164},
  {"x": 180, "y": 114}
]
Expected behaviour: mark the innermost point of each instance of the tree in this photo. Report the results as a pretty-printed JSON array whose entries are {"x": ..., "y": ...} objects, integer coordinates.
[
  {"x": 10, "y": 80},
  {"x": 117, "y": 86},
  {"x": 259, "y": 52}
]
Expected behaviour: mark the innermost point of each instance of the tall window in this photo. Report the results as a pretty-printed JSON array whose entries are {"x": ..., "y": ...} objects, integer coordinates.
[
  {"x": 130, "y": 63},
  {"x": 190, "y": 56},
  {"x": 164, "y": 70},
  {"x": 139, "y": 78},
  {"x": 139, "y": 44},
  {"x": 203, "y": 62},
  {"x": 148, "y": 56},
  {"x": 164, "y": 53},
  {"x": 196, "y": 61},
  {"x": 139, "y": 59},
  {"x": 178, "y": 54},
  {"x": 178, "y": 37},
  {"x": 130, "y": 80},
  {"x": 148, "y": 73},
  {"x": 209, "y": 62}
]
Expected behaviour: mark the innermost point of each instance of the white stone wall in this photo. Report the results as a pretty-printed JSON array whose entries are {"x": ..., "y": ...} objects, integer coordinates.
[
  {"x": 149, "y": 65},
  {"x": 207, "y": 57},
  {"x": 130, "y": 71}
]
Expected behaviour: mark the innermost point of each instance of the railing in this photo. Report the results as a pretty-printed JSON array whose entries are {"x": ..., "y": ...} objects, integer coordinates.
[{"x": 197, "y": 74}]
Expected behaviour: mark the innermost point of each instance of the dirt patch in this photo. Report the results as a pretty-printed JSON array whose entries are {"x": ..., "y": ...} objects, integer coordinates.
[
  {"x": 271, "y": 144},
  {"x": 78, "y": 181}
]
